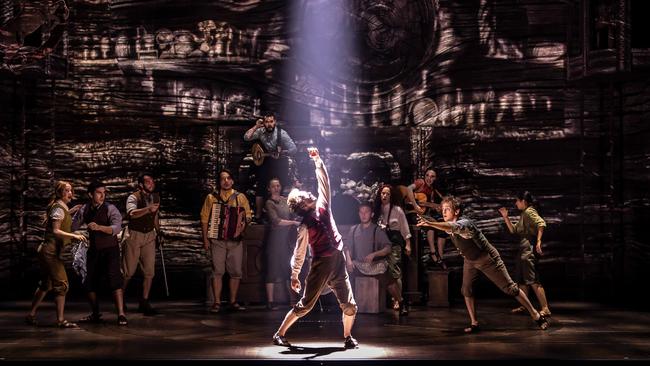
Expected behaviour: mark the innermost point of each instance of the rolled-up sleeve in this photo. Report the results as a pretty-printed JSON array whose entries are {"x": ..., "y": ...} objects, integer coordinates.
[
  {"x": 131, "y": 204},
  {"x": 115, "y": 219},
  {"x": 299, "y": 251},
  {"x": 536, "y": 219},
  {"x": 403, "y": 223},
  {"x": 77, "y": 219}
]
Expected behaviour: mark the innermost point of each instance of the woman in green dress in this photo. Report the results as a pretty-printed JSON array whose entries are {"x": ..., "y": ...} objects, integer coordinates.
[{"x": 58, "y": 234}]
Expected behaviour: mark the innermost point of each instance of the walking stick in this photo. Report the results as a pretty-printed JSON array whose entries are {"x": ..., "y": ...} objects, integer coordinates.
[{"x": 162, "y": 261}]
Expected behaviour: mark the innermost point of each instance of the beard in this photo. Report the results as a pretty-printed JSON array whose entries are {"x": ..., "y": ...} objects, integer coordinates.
[{"x": 269, "y": 129}]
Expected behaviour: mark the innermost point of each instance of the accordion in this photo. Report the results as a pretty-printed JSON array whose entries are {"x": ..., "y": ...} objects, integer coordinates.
[{"x": 225, "y": 222}]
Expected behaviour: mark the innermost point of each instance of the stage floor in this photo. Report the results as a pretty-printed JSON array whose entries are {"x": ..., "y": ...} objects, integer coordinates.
[{"x": 186, "y": 331}]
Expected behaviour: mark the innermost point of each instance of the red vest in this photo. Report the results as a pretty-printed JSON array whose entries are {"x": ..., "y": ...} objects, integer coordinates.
[{"x": 324, "y": 241}]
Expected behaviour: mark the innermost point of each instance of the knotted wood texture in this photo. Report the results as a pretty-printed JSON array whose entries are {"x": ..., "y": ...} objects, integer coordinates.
[{"x": 475, "y": 89}]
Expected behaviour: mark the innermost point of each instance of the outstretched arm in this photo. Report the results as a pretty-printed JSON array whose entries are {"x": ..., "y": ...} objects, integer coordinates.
[{"x": 444, "y": 226}]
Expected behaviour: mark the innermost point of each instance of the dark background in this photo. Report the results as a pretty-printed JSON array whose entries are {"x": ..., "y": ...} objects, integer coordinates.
[{"x": 498, "y": 96}]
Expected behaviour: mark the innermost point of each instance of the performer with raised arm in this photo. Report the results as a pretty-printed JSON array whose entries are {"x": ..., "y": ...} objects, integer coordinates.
[
  {"x": 479, "y": 256},
  {"x": 318, "y": 229}
]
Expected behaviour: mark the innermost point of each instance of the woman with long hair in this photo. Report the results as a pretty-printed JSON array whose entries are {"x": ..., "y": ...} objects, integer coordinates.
[
  {"x": 530, "y": 229},
  {"x": 58, "y": 222},
  {"x": 392, "y": 219}
]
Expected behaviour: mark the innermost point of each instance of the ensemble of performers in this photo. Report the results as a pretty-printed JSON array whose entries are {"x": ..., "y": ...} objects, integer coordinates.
[{"x": 301, "y": 232}]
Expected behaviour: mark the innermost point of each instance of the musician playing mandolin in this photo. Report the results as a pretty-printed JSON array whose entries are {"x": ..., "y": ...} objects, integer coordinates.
[
  {"x": 423, "y": 197},
  {"x": 273, "y": 161}
]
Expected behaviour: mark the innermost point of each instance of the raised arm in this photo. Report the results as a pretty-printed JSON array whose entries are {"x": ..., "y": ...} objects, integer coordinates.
[
  {"x": 250, "y": 135},
  {"x": 324, "y": 192}
]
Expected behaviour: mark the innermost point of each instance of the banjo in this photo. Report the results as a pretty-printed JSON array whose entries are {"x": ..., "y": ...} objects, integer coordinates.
[{"x": 258, "y": 154}]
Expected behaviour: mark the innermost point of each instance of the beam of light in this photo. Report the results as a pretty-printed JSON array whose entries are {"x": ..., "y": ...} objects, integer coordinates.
[
  {"x": 310, "y": 350},
  {"x": 318, "y": 71}
]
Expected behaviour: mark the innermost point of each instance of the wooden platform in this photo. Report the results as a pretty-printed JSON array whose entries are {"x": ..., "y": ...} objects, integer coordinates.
[{"x": 186, "y": 331}]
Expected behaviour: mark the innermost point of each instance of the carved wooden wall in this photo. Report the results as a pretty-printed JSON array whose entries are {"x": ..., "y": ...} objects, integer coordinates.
[{"x": 478, "y": 89}]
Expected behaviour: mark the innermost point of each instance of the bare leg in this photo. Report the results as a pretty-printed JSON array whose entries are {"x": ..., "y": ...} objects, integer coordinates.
[
  {"x": 288, "y": 321},
  {"x": 541, "y": 297},
  {"x": 118, "y": 297},
  {"x": 395, "y": 291},
  {"x": 217, "y": 283},
  {"x": 269, "y": 292},
  {"x": 471, "y": 309},
  {"x": 523, "y": 300},
  {"x": 348, "y": 321},
  {"x": 441, "y": 247},
  {"x": 39, "y": 295},
  {"x": 146, "y": 287},
  {"x": 234, "y": 287},
  {"x": 59, "y": 300}
]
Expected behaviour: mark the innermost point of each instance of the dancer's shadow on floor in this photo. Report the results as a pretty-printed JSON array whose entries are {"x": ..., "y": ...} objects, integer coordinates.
[{"x": 314, "y": 351}]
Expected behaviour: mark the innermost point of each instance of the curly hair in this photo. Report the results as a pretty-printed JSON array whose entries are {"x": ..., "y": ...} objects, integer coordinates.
[
  {"x": 295, "y": 199},
  {"x": 453, "y": 202}
]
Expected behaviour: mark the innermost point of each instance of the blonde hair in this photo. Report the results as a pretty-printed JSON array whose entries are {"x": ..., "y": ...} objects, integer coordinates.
[
  {"x": 295, "y": 198},
  {"x": 59, "y": 190}
]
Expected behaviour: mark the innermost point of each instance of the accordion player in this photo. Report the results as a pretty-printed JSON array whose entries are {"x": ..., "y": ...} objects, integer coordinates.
[{"x": 226, "y": 222}]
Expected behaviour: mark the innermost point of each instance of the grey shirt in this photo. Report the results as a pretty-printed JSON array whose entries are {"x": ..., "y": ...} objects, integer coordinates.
[
  {"x": 269, "y": 140},
  {"x": 469, "y": 240},
  {"x": 361, "y": 243}
]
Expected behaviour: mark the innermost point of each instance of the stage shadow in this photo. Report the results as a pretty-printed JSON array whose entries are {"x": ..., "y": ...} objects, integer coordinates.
[{"x": 314, "y": 351}]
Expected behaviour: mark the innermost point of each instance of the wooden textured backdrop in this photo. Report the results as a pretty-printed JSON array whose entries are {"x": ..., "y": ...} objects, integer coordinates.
[{"x": 477, "y": 89}]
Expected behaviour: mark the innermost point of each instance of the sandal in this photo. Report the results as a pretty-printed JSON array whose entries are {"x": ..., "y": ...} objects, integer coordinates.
[
  {"x": 121, "y": 320},
  {"x": 473, "y": 328},
  {"x": 395, "y": 305},
  {"x": 66, "y": 324},
  {"x": 94, "y": 318},
  {"x": 31, "y": 320},
  {"x": 234, "y": 306},
  {"x": 542, "y": 322},
  {"x": 215, "y": 308},
  {"x": 545, "y": 313},
  {"x": 437, "y": 259}
]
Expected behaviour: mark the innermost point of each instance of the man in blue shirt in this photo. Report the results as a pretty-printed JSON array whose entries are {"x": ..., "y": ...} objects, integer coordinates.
[{"x": 276, "y": 142}]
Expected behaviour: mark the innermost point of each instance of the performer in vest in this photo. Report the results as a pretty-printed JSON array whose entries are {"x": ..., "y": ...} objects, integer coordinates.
[
  {"x": 58, "y": 234},
  {"x": 276, "y": 141},
  {"x": 142, "y": 209},
  {"x": 368, "y": 242},
  {"x": 318, "y": 230},
  {"x": 479, "y": 256},
  {"x": 227, "y": 252},
  {"x": 104, "y": 222}
]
